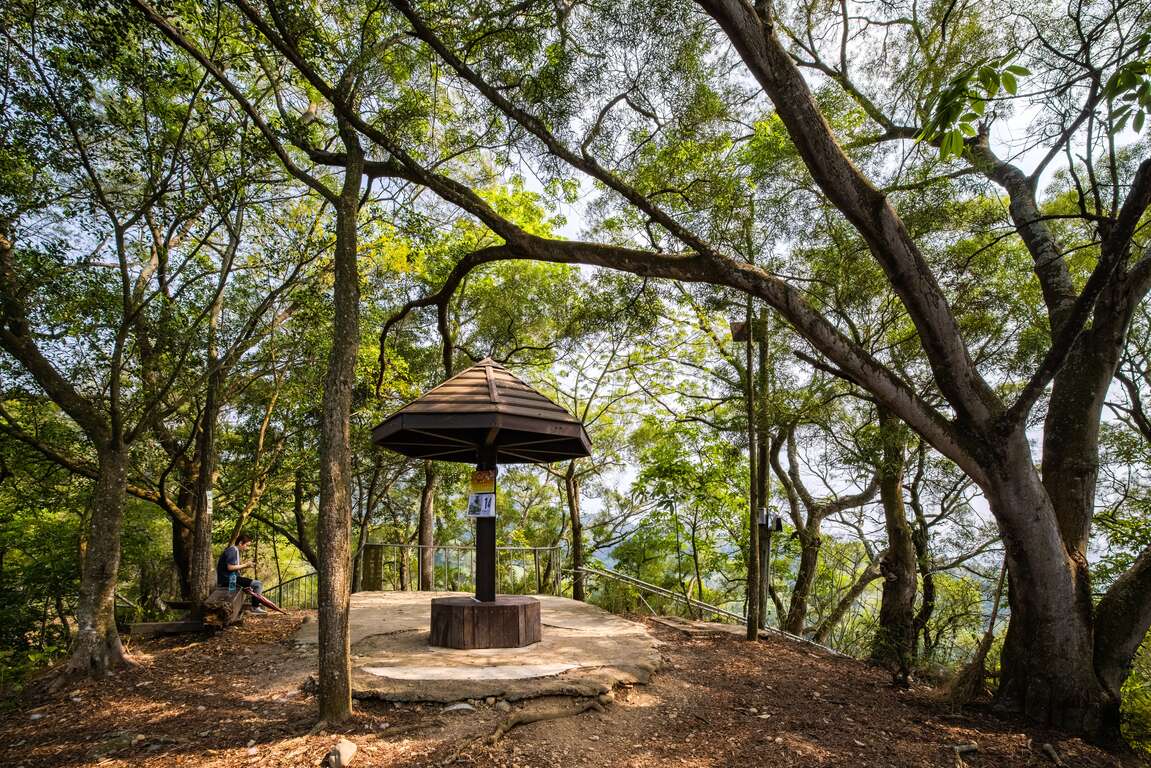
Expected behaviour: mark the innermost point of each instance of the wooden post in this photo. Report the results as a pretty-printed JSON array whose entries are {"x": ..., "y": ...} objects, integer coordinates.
[
  {"x": 764, "y": 565},
  {"x": 486, "y": 542}
]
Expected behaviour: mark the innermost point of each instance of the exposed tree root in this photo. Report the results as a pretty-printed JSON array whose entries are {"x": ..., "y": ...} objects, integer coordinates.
[
  {"x": 523, "y": 717},
  {"x": 87, "y": 666}
]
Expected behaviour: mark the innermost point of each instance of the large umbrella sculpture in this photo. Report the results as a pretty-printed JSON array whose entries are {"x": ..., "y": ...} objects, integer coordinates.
[{"x": 486, "y": 416}]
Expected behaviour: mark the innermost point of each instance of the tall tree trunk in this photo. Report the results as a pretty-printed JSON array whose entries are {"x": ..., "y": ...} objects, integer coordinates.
[
  {"x": 1070, "y": 475},
  {"x": 302, "y": 540},
  {"x": 335, "y": 524},
  {"x": 358, "y": 560},
  {"x": 695, "y": 558},
  {"x": 895, "y": 637},
  {"x": 181, "y": 557},
  {"x": 201, "y": 570},
  {"x": 426, "y": 532},
  {"x": 571, "y": 493},
  {"x": 810, "y": 541},
  {"x": 97, "y": 648},
  {"x": 203, "y": 576},
  {"x": 1047, "y": 670},
  {"x": 368, "y": 504}
]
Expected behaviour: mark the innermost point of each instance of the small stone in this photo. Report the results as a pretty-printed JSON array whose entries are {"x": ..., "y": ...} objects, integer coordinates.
[
  {"x": 778, "y": 740},
  {"x": 461, "y": 706},
  {"x": 201, "y": 708},
  {"x": 594, "y": 737},
  {"x": 36, "y": 716},
  {"x": 341, "y": 755},
  {"x": 251, "y": 742},
  {"x": 252, "y": 751},
  {"x": 490, "y": 700},
  {"x": 752, "y": 710},
  {"x": 503, "y": 706}
]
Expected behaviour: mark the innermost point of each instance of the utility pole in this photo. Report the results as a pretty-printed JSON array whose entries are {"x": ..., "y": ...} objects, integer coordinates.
[
  {"x": 746, "y": 333},
  {"x": 763, "y": 465}
]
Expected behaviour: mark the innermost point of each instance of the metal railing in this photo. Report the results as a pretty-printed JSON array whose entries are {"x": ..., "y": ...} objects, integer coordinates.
[
  {"x": 631, "y": 581},
  {"x": 295, "y": 594},
  {"x": 396, "y": 567},
  {"x": 519, "y": 570}
]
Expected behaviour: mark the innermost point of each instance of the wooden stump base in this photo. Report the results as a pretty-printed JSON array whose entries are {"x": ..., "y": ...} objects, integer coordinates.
[
  {"x": 512, "y": 621},
  {"x": 223, "y": 608}
]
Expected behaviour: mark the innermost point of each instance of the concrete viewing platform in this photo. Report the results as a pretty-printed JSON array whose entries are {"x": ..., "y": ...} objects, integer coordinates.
[{"x": 584, "y": 651}]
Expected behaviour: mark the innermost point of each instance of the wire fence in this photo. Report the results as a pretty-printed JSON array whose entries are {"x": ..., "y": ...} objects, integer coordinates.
[{"x": 445, "y": 568}]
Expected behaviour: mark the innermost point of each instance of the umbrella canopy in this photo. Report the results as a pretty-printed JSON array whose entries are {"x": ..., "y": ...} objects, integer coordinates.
[{"x": 484, "y": 414}]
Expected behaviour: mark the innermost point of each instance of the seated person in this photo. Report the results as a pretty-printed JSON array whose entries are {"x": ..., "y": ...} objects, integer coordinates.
[{"x": 230, "y": 561}]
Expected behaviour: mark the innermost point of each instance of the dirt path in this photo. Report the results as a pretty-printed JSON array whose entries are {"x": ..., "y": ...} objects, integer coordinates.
[{"x": 235, "y": 700}]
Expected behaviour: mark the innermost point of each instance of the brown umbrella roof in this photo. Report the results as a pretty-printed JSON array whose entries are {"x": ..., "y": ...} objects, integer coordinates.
[{"x": 482, "y": 410}]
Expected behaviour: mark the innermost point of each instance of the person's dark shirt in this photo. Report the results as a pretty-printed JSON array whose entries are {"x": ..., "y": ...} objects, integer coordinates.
[{"x": 230, "y": 556}]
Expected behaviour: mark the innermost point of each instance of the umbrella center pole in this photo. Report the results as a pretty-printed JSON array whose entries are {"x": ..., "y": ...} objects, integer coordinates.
[{"x": 486, "y": 549}]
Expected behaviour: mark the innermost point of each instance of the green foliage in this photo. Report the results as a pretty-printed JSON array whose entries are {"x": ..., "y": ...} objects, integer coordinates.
[
  {"x": 954, "y": 112},
  {"x": 1130, "y": 86},
  {"x": 1137, "y": 703},
  {"x": 41, "y": 511}
]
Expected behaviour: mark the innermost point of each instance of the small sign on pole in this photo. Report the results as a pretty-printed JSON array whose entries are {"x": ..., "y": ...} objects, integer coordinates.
[{"x": 482, "y": 494}]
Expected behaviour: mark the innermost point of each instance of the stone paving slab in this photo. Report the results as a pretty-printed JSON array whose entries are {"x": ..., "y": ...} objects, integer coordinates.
[{"x": 585, "y": 651}]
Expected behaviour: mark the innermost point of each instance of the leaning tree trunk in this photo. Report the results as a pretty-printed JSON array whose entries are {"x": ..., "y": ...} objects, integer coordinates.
[
  {"x": 829, "y": 623},
  {"x": 426, "y": 533},
  {"x": 894, "y": 641},
  {"x": 97, "y": 648},
  {"x": 335, "y": 523},
  {"x": 1047, "y": 671},
  {"x": 571, "y": 493}
]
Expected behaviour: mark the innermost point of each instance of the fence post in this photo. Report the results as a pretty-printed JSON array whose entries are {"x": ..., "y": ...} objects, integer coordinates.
[{"x": 536, "y": 558}]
